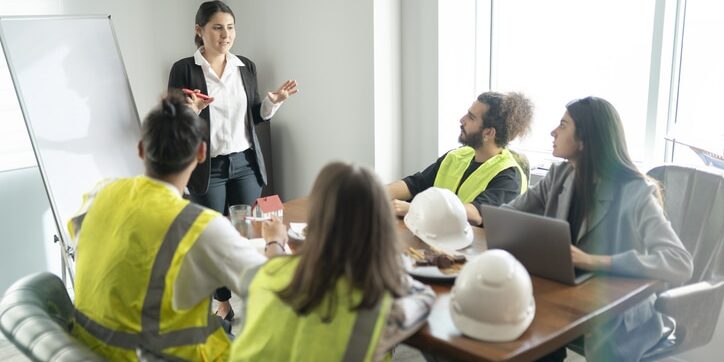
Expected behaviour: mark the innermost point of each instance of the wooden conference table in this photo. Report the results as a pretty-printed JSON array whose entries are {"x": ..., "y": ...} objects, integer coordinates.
[{"x": 563, "y": 313}]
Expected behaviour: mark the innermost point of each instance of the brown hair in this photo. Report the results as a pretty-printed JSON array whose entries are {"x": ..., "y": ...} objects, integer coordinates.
[
  {"x": 604, "y": 155},
  {"x": 207, "y": 11},
  {"x": 351, "y": 233},
  {"x": 510, "y": 114}
]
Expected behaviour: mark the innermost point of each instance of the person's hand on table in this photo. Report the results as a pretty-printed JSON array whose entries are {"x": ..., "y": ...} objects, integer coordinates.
[
  {"x": 274, "y": 233},
  {"x": 286, "y": 90},
  {"x": 400, "y": 207},
  {"x": 585, "y": 261}
]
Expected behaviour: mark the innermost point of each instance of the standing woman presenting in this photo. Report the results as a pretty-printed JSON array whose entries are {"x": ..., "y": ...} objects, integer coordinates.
[{"x": 234, "y": 171}]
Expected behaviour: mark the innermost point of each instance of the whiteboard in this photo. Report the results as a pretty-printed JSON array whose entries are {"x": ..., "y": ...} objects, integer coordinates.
[{"x": 77, "y": 103}]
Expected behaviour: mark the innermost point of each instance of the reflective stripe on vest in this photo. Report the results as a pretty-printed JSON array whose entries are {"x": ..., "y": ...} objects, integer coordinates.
[
  {"x": 273, "y": 331},
  {"x": 363, "y": 333},
  {"x": 150, "y": 337},
  {"x": 455, "y": 164},
  {"x": 151, "y": 312}
]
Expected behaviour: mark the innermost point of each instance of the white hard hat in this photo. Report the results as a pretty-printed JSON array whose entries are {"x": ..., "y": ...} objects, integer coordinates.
[
  {"x": 492, "y": 299},
  {"x": 437, "y": 216}
]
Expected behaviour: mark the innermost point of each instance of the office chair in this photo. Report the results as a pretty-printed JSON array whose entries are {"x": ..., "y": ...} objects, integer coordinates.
[
  {"x": 523, "y": 162},
  {"x": 694, "y": 203},
  {"x": 36, "y": 315}
]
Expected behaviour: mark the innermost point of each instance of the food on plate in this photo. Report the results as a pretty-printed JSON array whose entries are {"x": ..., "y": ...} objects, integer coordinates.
[{"x": 447, "y": 263}]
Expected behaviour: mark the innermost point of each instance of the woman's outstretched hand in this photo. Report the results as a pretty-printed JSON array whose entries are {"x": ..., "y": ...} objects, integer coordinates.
[{"x": 286, "y": 90}]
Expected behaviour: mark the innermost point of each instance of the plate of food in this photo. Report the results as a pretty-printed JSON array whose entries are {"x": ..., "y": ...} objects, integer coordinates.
[{"x": 432, "y": 263}]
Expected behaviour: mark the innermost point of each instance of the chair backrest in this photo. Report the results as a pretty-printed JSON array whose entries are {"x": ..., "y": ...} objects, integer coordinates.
[
  {"x": 36, "y": 315},
  {"x": 522, "y": 162},
  {"x": 694, "y": 203}
]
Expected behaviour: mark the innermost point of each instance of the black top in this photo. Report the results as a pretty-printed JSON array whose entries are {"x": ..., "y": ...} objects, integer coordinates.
[
  {"x": 575, "y": 219},
  {"x": 503, "y": 188},
  {"x": 186, "y": 74}
]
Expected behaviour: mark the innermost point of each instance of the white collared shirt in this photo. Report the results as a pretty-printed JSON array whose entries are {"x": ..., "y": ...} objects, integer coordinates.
[
  {"x": 219, "y": 256},
  {"x": 228, "y": 110}
]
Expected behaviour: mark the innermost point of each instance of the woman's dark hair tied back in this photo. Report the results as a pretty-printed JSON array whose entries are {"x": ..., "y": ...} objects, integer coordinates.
[
  {"x": 171, "y": 135},
  {"x": 168, "y": 108}
]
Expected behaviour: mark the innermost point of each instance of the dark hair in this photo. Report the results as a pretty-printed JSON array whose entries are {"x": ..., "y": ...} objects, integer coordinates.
[
  {"x": 351, "y": 233},
  {"x": 604, "y": 155},
  {"x": 171, "y": 135},
  {"x": 206, "y": 11},
  {"x": 510, "y": 114}
]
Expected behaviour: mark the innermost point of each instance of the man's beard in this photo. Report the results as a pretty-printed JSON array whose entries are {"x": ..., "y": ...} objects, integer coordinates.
[{"x": 473, "y": 140}]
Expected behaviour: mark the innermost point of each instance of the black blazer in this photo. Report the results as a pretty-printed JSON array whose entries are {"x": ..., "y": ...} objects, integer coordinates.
[{"x": 186, "y": 74}]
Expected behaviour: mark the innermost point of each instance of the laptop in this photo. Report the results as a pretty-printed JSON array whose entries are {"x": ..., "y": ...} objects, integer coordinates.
[{"x": 541, "y": 244}]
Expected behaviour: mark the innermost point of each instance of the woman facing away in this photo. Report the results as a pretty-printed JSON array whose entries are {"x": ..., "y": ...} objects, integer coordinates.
[
  {"x": 616, "y": 219},
  {"x": 344, "y": 295},
  {"x": 143, "y": 278},
  {"x": 234, "y": 171}
]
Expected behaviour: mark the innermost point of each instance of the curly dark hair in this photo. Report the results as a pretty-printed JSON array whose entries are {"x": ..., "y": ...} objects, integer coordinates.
[{"x": 510, "y": 114}]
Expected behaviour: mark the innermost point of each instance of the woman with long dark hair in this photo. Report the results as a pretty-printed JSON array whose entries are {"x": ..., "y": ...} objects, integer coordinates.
[
  {"x": 344, "y": 294},
  {"x": 616, "y": 220},
  {"x": 234, "y": 171}
]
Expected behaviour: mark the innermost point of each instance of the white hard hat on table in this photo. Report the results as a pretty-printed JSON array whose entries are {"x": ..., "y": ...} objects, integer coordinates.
[
  {"x": 437, "y": 217},
  {"x": 492, "y": 299}
]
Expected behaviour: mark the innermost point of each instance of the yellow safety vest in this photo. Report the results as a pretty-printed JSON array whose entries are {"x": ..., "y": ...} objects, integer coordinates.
[
  {"x": 131, "y": 243},
  {"x": 457, "y": 161},
  {"x": 273, "y": 331}
]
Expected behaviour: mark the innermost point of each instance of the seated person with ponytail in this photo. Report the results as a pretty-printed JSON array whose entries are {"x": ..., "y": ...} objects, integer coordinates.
[
  {"x": 344, "y": 296},
  {"x": 148, "y": 261},
  {"x": 483, "y": 171}
]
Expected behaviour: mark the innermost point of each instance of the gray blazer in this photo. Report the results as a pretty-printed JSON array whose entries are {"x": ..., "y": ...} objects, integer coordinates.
[{"x": 627, "y": 223}]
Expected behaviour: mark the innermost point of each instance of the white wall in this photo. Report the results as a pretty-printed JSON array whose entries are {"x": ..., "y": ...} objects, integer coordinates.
[
  {"x": 151, "y": 34},
  {"x": 419, "y": 84},
  {"x": 456, "y": 68},
  {"x": 387, "y": 89},
  {"x": 27, "y": 227},
  {"x": 327, "y": 46}
]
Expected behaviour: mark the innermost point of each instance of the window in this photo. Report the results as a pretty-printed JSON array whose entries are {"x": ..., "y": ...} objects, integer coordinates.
[
  {"x": 658, "y": 62},
  {"x": 699, "y": 117},
  {"x": 15, "y": 148},
  {"x": 555, "y": 52}
]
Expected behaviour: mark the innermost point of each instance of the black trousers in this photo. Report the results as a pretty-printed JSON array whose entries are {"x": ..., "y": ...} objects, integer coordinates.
[{"x": 234, "y": 180}]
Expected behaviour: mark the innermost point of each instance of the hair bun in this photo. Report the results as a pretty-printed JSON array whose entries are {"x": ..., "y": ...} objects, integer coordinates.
[{"x": 168, "y": 108}]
